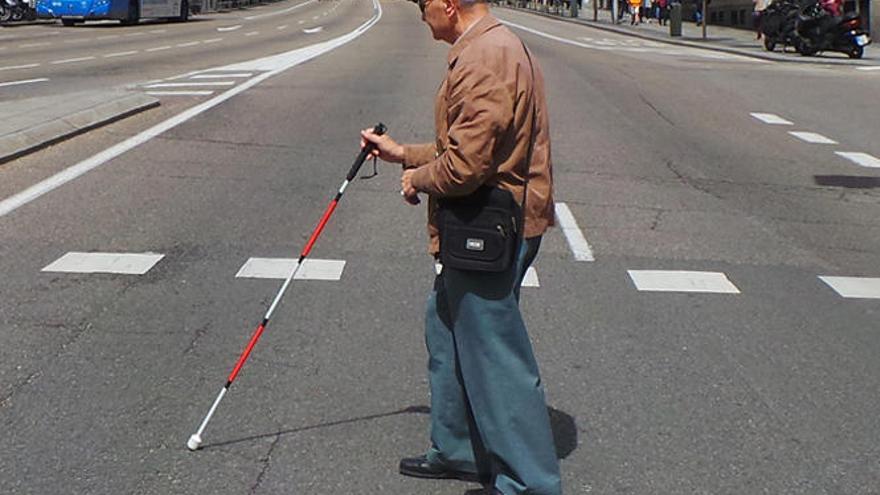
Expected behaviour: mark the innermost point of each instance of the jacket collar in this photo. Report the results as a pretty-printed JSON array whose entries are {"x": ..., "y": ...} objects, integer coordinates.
[{"x": 485, "y": 23}]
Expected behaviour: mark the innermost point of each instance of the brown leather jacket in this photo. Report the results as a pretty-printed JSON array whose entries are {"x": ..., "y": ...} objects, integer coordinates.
[{"x": 483, "y": 119}]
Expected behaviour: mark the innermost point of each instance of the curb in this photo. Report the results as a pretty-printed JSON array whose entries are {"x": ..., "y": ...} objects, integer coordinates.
[
  {"x": 28, "y": 140},
  {"x": 690, "y": 44}
]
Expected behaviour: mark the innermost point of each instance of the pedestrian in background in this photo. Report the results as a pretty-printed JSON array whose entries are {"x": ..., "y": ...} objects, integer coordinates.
[
  {"x": 662, "y": 11},
  {"x": 489, "y": 419},
  {"x": 759, "y": 7},
  {"x": 634, "y": 6}
]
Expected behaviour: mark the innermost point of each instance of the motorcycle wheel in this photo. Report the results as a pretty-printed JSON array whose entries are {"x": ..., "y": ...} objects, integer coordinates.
[
  {"x": 769, "y": 44},
  {"x": 5, "y": 13},
  {"x": 805, "y": 49},
  {"x": 856, "y": 52}
]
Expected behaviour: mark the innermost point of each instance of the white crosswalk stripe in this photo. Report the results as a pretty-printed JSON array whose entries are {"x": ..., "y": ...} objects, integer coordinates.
[
  {"x": 281, "y": 268},
  {"x": 119, "y": 263},
  {"x": 682, "y": 281}
]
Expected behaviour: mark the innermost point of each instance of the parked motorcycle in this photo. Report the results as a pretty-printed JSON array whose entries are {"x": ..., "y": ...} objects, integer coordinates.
[
  {"x": 778, "y": 24},
  {"x": 16, "y": 10},
  {"x": 819, "y": 31}
]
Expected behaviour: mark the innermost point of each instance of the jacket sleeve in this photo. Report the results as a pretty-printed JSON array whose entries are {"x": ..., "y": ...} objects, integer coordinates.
[
  {"x": 416, "y": 155},
  {"x": 480, "y": 110}
]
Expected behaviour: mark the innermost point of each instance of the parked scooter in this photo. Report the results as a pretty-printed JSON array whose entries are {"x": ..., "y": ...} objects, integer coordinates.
[
  {"x": 819, "y": 31},
  {"x": 778, "y": 24}
]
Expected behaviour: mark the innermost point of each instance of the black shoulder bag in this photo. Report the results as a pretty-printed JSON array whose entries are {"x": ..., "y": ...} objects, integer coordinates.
[{"x": 483, "y": 230}]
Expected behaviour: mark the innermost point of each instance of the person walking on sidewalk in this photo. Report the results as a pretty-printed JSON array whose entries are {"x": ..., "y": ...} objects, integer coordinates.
[
  {"x": 489, "y": 419},
  {"x": 662, "y": 11},
  {"x": 634, "y": 6},
  {"x": 759, "y": 7}
]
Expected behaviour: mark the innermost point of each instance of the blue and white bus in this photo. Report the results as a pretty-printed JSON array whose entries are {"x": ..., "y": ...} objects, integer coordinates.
[{"x": 128, "y": 11}]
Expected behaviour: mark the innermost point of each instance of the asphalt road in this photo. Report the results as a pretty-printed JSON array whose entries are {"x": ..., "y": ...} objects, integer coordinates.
[{"x": 771, "y": 387}]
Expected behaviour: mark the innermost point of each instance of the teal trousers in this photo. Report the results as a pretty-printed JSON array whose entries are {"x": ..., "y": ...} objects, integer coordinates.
[{"x": 488, "y": 413}]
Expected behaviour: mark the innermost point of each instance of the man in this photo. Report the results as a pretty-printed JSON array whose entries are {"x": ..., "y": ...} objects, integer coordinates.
[{"x": 489, "y": 421}]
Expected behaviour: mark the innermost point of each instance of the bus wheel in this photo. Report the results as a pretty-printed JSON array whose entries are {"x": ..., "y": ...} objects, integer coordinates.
[
  {"x": 68, "y": 22},
  {"x": 134, "y": 13},
  {"x": 184, "y": 11}
]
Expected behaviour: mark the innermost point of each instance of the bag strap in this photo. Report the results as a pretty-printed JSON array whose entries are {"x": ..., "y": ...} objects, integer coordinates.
[{"x": 532, "y": 137}]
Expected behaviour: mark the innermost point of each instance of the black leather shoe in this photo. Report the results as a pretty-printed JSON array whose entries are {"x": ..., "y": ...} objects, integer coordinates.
[{"x": 419, "y": 467}]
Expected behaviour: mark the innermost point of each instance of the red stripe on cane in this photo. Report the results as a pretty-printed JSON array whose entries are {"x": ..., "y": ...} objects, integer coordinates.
[{"x": 319, "y": 228}]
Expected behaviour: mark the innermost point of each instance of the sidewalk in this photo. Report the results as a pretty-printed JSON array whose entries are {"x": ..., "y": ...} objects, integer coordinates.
[
  {"x": 718, "y": 38},
  {"x": 29, "y": 124}
]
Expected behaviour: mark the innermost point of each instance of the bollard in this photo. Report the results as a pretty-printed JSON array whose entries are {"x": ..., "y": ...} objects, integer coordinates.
[{"x": 675, "y": 19}]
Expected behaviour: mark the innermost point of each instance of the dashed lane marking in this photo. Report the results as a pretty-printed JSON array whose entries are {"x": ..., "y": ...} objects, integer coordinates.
[
  {"x": 281, "y": 27},
  {"x": 313, "y": 30},
  {"x": 252, "y": 33},
  {"x": 71, "y": 60},
  {"x": 854, "y": 287},
  {"x": 121, "y": 54},
  {"x": 121, "y": 263},
  {"x": 859, "y": 158},
  {"x": 812, "y": 137},
  {"x": 229, "y": 28},
  {"x": 220, "y": 76},
  {"x": 873, "y": 68},
  {"x": 23, "y": 81},
  {"x": 576, "y": 240},
  {"x": 682, "y": 281},
  {"x": 190, "y": 43},
  {"x": 34, "y": 45},
  {"x": 279, "y": 12},
  {"x": 158, "y": 48},
  {"x": 179, "y": 93},
  {"x": 281, "y": 268},
  {"x": 16, "y": 67},
  {"x": 212, "y": 40},
  {"x": 772, "y": 119},
  {"x": 191, "y": 84}
]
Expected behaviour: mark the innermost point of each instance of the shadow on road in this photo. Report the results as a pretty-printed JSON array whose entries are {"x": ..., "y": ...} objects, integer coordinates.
[
  {"x": 563, "y": 425},
  {"x": 847, "y": 181}
]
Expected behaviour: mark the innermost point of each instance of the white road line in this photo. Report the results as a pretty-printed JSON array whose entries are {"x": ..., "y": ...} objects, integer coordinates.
[
  {"x": 158, "y": 48},
  {"x": 229, "y": 28},
  {"x": 281, "y": 268},
  {"x": 71, "y": 60},
  {"x": 769, "y": 118},
  {"x": 33, "y": 45},
  {"x": 14, "y": 67},
  {"x": 212, "y": 40},
  {"x": 576, "y": 240},
  {"x": 868, "y": 68},
  {"x": 313, "y": 30},
  {"x": 281, "y": 27},
  {"x": 252, "y": 33},
  {"x": 158, "y": 31},
  {"x": 179, "y": 93},
  {"x": 189, "y": 84},
  {"x": 315, "y": 18},
  {"x": 301, "y": 22},
  {"x": 279, "y": 12},
  {"x": 108, "y": 37},
  {"x": 120, "y": 263},
  {"x": 682, "y": 281},
  {"x": 812, "y": 137},
  {"x": 221, "y": 76},
  {"x": 191, "y": 43},
  {"x": 854, "y": 287},
  {"x": 275, "y": 65},
  {"x": 120, "y": 54},
  {"x": 23, "y": 81},
  {"x": 862, "y": 159},
  {"x": 129, "y": 35}
]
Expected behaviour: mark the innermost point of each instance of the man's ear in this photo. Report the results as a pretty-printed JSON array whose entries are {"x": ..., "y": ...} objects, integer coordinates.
[{"x": 451, "y": 8}]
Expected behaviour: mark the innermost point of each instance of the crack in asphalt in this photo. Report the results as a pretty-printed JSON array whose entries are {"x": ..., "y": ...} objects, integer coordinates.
[{"x": 267, "y": 462}]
